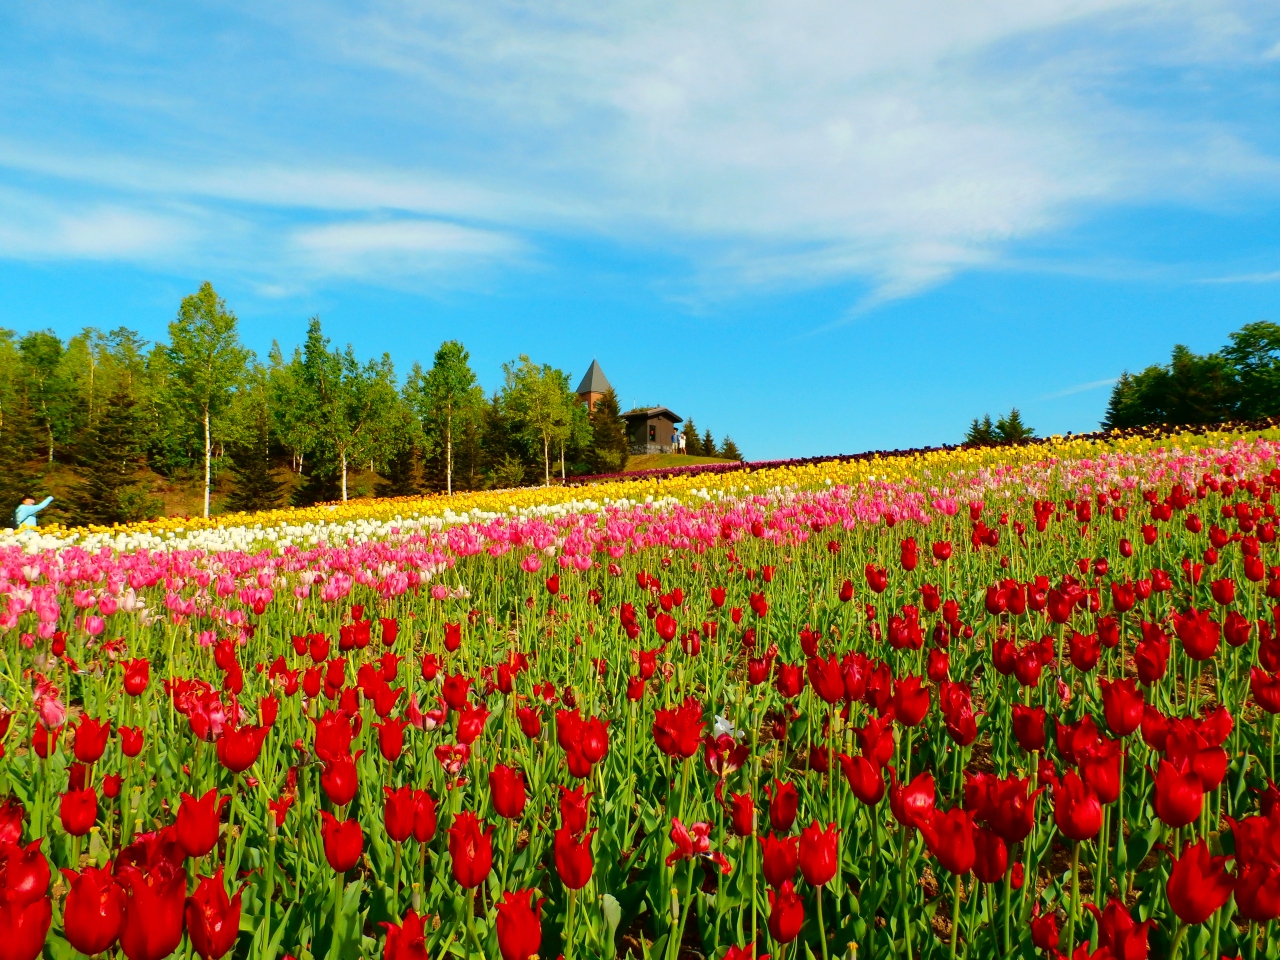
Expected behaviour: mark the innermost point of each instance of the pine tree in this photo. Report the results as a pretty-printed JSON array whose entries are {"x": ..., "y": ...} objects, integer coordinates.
[
  {"x": 109, "y": 462},
  {"x": 403, "y": 475},
  {"x": 20, "y": 447},
  {"x": 708, "y": 445},
  {"x": 1011, "y": 429},
  {"x": 730, "y": 450},
  {"x": 256, "y": 488},
  {"x": 692, "y": 443},
  {"x": 609, "y": 446},
  {"x": 981, "y": 432}
]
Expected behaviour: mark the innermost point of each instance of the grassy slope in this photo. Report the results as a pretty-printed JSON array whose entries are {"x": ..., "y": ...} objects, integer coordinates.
[{"x": 663, "y": 461}]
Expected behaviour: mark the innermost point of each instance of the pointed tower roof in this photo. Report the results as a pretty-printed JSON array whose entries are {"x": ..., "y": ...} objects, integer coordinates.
[{"x": 594, "y": 381}]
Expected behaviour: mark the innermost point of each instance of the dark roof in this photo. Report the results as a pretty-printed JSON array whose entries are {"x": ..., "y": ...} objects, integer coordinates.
[
  {"x": 650, "y": 413},
  {"x": 594, "y": 381}
]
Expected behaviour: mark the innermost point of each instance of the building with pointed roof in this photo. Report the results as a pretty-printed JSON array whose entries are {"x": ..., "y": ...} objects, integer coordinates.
[
  {"x": 653, "y": 430},
  {"x": 593, "y": 386}
]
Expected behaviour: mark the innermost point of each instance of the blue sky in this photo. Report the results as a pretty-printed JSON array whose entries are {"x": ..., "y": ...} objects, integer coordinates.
[{"x": 817, "y": 226}]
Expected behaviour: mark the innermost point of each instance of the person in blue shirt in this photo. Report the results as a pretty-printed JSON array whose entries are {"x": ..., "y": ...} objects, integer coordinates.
[{"x": 25, "y": 514}]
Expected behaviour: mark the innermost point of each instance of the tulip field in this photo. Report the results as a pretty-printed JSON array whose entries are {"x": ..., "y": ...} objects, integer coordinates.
[{"x": 1013, "y": 702}]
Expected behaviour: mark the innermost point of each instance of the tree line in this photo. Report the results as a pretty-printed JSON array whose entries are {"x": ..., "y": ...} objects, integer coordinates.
[
  {"x": 1241, "y": 381},
  {"x": 109, "y": 416}
]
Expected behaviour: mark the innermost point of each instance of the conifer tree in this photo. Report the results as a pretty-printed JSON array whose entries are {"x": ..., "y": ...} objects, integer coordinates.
[
  {"x": 708, "y": 445},
  {"x": 1011, "y": 429},
  {"x": 729, "y": 451},
  {"x": 110, "y": 462},
  {"x": 20, "y": 446},
  {"x": 255, "y": 486},
  {"x": 981, "y": 432},
  {"x": 609, "y": 446},
  {"x": 692, "y": 442}
]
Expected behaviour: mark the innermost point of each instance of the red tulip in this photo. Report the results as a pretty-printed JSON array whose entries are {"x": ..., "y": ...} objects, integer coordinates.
[
  {"x": 819, "y": 853},
  {"x": 678, "y": 732},
  {"x": 786, "y": 913},
  {"x": 573, "y": 858},
  {"x": 780, "y": 858},
  {"x": 912, "y": 804},
  {"x": 198, "y": 822},
  {"x": 789, "y": 680},
  {"x": 152, "y": 927},
  {"x": 950, "y": 838},
  {"x": 507, "y": 791},
  {"x": 865, "y": 779},
  {"x": 991, "y": 856},
  {"x": 1028, "y": 727},
  {"x": 1198, "y": 884},
  {"x": 1118, "y": 934},
  {"x": 424, "y": 816},
  {"x": 1044, "y": 930},
  {"x": 343, "y": 841},
  {"x": 391, "y": 737},
  {"x": 1076, "y": 809},
  {"x": 452, "y": 636},
  {"x": 90, "y": 739},
  {"x": 1265, "y": 688},
  {"x": 1122, "y": 705},
  {"x": 573, "y": 809},
  {"x": 137, "y": 674},
  {"x": 1224, "y": 591},
  {"x": 24, "y": 873},
  {"x": 826, "y": 678},
  {"x": 1100, "y": 769},
  {"x": 519, "y": 930},
  {"x": 1257, "y": 890},
  {"x": 390, "y": 630},
  {"x": 213, "y": 918},
  {"x": 470, "y": 849},
  {"x": 131, "y": 739},
  {"x": 594, "y": 739},
  {"x": 406, "y": 940},
  {"x": 397, "y": 813},
  {"x": 239, "y": 747},
  {"x": 340, "y": 780},
  {"x": 784, "y": 801},
  {"x": 11, "y": 817},
  {"x": 1179, "y": 796},
  {"x": 94, "y": 910},
  {"x": 1198, "y": 632},
  {"x": 78, "y": 811},
  {"x": 742, "y": 814},
  {"x": 910, "y": 700}
]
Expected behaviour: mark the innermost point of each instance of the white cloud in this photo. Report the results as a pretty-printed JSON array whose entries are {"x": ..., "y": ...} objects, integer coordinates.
[
  {"x": 32, "y": 228},
  {"x": 397, "y": 246},
  {"x": 1081, "y": 388},
  {"x": 766, "y": 144}
]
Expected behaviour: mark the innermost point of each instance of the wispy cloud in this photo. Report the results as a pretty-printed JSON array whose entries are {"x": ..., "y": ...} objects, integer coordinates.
[
  {"x": 763, "y": 145},
  {"x": 1080, "y": 388},
  {"x": 1271, "y": 276}
]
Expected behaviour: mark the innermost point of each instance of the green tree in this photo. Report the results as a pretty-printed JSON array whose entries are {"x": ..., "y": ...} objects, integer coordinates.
[
  {"x": 110, "y": 466},
  {"x": 445, "y": 398},
  {"x": 1011, "y": 429},
  {"x": 208, "y": 363},
  {"x": 20, "y": 450},
  {"x": 46, "y": 392},
  {"x": 351, "y": 404},
  {"x": 692, "y": 443},
  {"x": 1254, "y": 356},
  {"x": 708, "y": 444},
  {"x": 535, "y": 395},
  {"x": 729, "y": 450},
  {"x": 981, "y": 432},
  {"x": 256, "y": 487},
  {"x": 610, "y": 448},
  {"x": 292, "y": 405}
]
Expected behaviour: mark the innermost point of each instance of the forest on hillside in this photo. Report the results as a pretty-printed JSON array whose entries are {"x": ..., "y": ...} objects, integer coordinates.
[{"x": 119, "y": 429}]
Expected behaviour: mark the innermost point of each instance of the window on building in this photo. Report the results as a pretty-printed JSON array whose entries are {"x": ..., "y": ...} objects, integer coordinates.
[{"x": 653, "y": 433}]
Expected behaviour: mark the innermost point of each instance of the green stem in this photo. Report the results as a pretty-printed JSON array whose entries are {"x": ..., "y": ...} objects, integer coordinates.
[
  {"x": 1177, "y": 941},
  {"x": 955, "y": 916},
  {"x": 1075, "y": 898},
  {"x": 822, "y": 927},
  {"x": 568, "y": 926}
]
